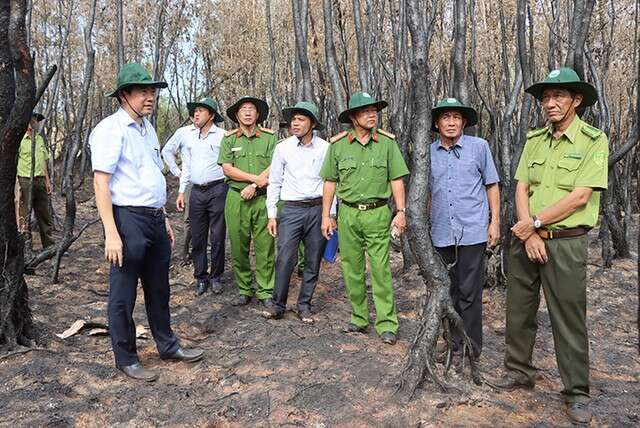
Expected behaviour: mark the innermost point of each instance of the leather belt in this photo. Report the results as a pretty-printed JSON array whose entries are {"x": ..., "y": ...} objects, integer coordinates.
[
  {"x": 365, "y": 206},
  {"x": 259, "y": 191},
  {"x": 304, "y": 203},
  {"x": 562, "y": 233},
  {"x": 149, "y": 211},
  {"x": 205, "y": 186}
]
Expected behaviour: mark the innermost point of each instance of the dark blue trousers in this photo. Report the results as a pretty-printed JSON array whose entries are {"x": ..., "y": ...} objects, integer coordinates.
[
  {"x": 295, "y": 225},
  {"x": 146, "y": 251},
  {"x": 206, "y": 217}
]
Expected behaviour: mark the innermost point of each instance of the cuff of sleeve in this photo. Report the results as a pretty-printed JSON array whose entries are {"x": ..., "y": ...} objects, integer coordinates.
[
  {"x": 182, "y": 188},
  {"x": 272, "y": 212}
]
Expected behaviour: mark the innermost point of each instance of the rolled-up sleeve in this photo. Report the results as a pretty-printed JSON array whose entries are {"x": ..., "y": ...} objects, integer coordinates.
[{"x": 106, "y": 146}]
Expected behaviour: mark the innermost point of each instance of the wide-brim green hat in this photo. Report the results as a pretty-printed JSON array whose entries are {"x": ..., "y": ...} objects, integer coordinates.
[
  {"x": 469, "y": 113},
  {"x": 208, "y": 103},
  {"x": 261, "y": 106},
  {"x": 565, "y": 78},
  {"x": 134, "y": 74},
  {"x": 306, "y": 108},
  {"x": 360, "y": 100}
]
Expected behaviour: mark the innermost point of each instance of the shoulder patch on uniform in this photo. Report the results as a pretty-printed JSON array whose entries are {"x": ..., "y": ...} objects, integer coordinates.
[
  {"x": 386, "y": 133},
  {"x": 591, "y": 131},
  {"x": 338, "y": 136},
  {"x": 231, "y": 132},
  {"x": 267, "y": 130},
  {"x": 536, "y": 132}
]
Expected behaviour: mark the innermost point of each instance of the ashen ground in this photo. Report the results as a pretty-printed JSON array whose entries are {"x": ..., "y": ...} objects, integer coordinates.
[{"x": 260, "y": 372}]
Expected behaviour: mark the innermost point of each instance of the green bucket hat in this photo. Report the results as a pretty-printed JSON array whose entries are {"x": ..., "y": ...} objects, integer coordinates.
[
  {"x": 261, "y": 105},
  {"x": 134, "y": 74},
  {"x": 307, "y": 108},
  {"x": 358, "y": 101},
  {"x": 468, "y": 113},
  {"x": 208, "y": 103},
  {"x": 565, "y": 78}
]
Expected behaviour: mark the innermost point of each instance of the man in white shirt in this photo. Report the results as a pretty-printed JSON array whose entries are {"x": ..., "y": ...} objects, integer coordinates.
[
  {"x": 130, "y": 194},
  {"x": 295, "y": 179},
  {"x": 200, "y": 168},
  {"x": 169, "y": 151}
]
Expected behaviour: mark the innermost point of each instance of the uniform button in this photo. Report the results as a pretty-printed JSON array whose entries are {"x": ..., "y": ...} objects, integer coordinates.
[{"x": 450, "y": 205}]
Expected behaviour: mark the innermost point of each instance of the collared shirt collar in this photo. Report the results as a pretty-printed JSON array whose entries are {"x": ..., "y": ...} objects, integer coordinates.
[
  {"x": 212, "y": 130},
  {"x": 311, "y": 144},
  {"x": 459, "y": 143},
  {"x": 571, "y": 132},
  {"x": 127, "y": 120},
  {"x": 352, "y": 136}
]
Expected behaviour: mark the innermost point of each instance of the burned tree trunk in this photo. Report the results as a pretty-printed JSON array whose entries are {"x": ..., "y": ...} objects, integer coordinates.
[
  {"x": 331, "y": 59},
  {"x": 459, "y": 81},
  {"x": 363, "y": 55},
  {"x": 17, "y": 95},
  {"x": 300, "y": 13},
  {"x": 437, "y": 311}
]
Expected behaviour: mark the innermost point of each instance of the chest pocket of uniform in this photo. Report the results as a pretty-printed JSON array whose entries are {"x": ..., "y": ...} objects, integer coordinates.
[
  {"x": 379, "y": 169},
  {"x": 238, "y": 152},
  {"x": 566, "y": 173},
  {"x": 346, "y": 167},
  {"x": 536, "y": 170}
]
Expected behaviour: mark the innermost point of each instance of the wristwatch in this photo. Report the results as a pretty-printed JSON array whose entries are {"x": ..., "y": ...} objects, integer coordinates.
[
  {"x": 402, "y": 210},
  {"x": 536, "y": 222}
]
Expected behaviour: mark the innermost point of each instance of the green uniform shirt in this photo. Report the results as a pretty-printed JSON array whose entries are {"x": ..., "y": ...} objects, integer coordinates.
[
  {"x": 249, "y": 154},
  {"x": 553, "y": 167},
  {"x": 24, "y": 157},
  {"x": 363, "y": 172}
]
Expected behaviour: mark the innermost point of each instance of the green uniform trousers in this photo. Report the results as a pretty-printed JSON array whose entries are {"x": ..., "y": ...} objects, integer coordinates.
[
  {"x": 246, "y": 220},
  {"x": 40, "y": 206},
  {"x": 368, "y": 231},
  {"x": 563, "y": 280}
]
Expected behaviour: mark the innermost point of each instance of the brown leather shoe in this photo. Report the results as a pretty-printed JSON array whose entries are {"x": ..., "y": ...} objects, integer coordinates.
[
  {"x": 579, "y": 413},
  {"x": 509, "y": 383},
  {"x": 137, "y": 372},
  {"x": 186, "y": 355}
]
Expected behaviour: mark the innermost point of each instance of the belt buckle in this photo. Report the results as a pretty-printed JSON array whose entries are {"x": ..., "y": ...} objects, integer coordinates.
[
  {"x": 362, "y": 207},
  {"x": 551, "y": 234}
]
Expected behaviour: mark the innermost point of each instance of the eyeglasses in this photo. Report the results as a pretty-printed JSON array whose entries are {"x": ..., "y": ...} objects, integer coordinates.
[{"x": 248, "y": 109}]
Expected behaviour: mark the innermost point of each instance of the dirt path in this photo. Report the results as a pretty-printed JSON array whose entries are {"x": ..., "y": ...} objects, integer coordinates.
[{"x": 259, "y": 372}]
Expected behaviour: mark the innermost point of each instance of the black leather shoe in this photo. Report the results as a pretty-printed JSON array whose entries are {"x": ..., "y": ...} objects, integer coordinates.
[
  {"x": 216, "y": 286},
  {"x": 242, "y": 300},
  {"x": 352, "y": 328},
  {"x": 186, "y": 355},
  {"x": 388, "y": 337},
  {"x": 579, "y": 413},
  {"x": 136, "y": 371},
  {"x": 509, "y": 383},
  {"x": 305, "y": 316},
  {"x": 203, "y": 286}
]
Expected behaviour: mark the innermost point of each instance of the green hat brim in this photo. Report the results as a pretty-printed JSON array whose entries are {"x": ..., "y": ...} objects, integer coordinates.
[
  {"x": 588, "y": 92},
  {"x": 156, "y": 84},
  {"x": 261, "y": 105},
  {"x": 289, "y": 112},
  {"x": 344, "y": 116},
  {"x": 469, "y": 114},
  {"x": 217, "y": 117}
]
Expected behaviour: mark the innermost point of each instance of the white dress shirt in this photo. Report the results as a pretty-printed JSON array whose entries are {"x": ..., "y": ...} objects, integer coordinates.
[
  {"x": 200, "y": 157},
  {"x": 172, "y": 146},
  {"x": 295, "y": 172},
  {"x": 131, "y": 154}
]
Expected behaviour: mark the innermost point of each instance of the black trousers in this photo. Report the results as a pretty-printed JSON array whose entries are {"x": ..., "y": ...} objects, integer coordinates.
[
  {"x": 295, "y": 225},
  {"x": 206, "y": 218},
  {"x": 467, "y": 281},
  {"x": 146, "y": 251}
]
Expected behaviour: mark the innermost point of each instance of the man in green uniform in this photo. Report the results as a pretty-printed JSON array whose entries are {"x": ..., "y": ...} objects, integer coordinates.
[
  {"x": 364, "y": 167},
  {"x": 561, "y": 172},
  {"x": 245, "y": 156},
  {"x": 41, "y": 183}
]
